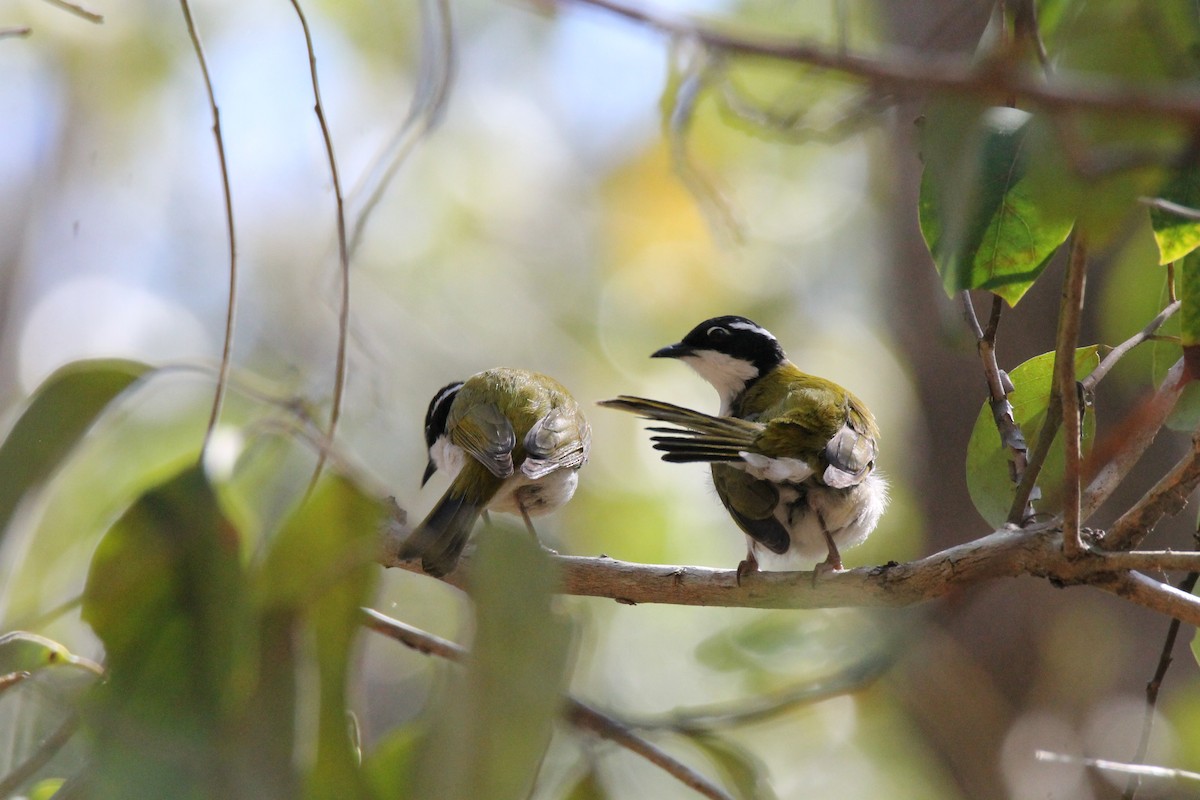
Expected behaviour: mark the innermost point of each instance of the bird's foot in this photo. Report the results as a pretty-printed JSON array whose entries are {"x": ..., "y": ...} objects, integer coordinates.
[
  {"x": 826, "y": 567},
  {"x": 748, "y": 566}
]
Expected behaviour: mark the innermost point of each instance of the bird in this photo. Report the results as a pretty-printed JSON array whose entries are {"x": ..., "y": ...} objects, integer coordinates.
[
  {"x": 511, "y": 441},
  {"x": 792, "y": 455}
]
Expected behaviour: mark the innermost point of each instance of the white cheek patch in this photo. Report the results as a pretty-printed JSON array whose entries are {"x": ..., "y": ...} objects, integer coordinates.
[
  {"x": 728, "y": 375},
  {"x": 447, "y": 456},
  {"x": 776, "y": 470}
]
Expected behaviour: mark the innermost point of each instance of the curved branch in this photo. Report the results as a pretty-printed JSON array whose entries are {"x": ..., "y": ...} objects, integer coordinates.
[{"x": 579, "y": 714}]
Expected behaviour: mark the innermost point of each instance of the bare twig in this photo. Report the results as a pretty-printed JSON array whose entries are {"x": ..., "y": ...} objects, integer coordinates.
[
  {"x": 1069, "y": 315},
  {"x": 45, "y": 751},
  {"x": 1174, "y": 775},
  {"x": 424, "y": 112},
  {"x": 1175, "y": 209},
  {"x": 1165, "y": 498},
  {"x": 339, "y": 380},
  {"x": 578, "y": 714},
  {"x": 1154, "y": 595},
  {"x": 78, "y": 10},
  {"x": 1136, "y": 435},
  {"x": 926, "y": 72},
  {"x": 1153, "y": 687},
  {"x": 231, "y": 304},
  {"x": 1117, "y": 353},
  {"x": 1011, "y": 435}
]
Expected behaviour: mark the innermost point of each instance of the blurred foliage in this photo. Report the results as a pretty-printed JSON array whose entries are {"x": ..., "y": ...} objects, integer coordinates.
[{"x": 542, "y": 224}]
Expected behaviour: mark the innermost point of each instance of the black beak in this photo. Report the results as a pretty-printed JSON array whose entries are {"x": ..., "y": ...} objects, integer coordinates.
[
  {"x": 678, "y": 350},
  {"x": 430, "y": 468}
]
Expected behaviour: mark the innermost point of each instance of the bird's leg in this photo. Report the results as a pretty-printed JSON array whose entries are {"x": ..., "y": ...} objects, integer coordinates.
[
  {"x": 529, "y": 527},
  {"x": 748, "y": 565},
  {"x": 487, "y": 518},
  {"x": 833, "y": 561}
]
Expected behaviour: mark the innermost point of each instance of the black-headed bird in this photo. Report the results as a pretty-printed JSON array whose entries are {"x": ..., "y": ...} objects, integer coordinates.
[
  {"x": 511, "y": 441},
  {"x": 792, "y": 455}
]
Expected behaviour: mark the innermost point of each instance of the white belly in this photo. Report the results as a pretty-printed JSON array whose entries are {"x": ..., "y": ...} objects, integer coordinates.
[{"x": 850, "y": 516}]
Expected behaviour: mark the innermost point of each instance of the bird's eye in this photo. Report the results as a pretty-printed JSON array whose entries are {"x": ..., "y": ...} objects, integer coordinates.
[{"x": 716, "y": 332}]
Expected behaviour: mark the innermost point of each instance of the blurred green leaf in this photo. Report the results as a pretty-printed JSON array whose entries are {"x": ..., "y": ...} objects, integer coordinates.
[
  {"x": 45, "y": 789},
  {"x": 1188, "y": 287},
  {"x": 319, "y": 572},
  {"x": 54, "y": 419},
  {"x": 588, "y": 787},
  {"x": 982, "y": 225},
  {"x": 492, "y": 726},
  {"x": 743, "y": 771},
  {"x": 1177, "y": 236},
  {"x": 390, "y": 765},
  {"x": 989, "y": 479},
  {"x": 165, "y": 595}
]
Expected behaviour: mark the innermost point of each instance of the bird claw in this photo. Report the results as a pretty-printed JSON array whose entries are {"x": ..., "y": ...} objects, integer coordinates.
[
  {"x": 826, "y": 567},
  {"x": 748, "y": 566}
]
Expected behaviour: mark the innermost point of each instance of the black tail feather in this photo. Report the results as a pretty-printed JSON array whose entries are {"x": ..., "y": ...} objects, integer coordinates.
[{"x": 439, "y": 539}]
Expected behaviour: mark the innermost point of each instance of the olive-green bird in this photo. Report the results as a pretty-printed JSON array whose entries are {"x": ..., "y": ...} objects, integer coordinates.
[
  {"x": 792, "y": 455},
  {"x": 510, "y": 440}
]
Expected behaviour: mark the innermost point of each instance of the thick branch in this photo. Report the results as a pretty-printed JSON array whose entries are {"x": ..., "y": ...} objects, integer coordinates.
[{"x": 1006, "y": 553}]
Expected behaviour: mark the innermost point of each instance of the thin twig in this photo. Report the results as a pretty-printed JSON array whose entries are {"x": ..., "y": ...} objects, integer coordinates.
[
  {"x": 578, "y": 714},
  {"x": 45, "y": 751},
  {"x": 1152, "y": 688},
  {"x": 425, "y": 112},
  {"x": 1070, "y": 312},
  {"x": 231, "y": 304},
  {"x": 1154, "y": 595},
  {"x": 339, "y": 381},
  {"x": 15, "y": 32},
  {"x": 1165, "y": 498},
  {"x": 1175, "y": 775},
  {"x": 1117, "y": 353},
  {"x": 1138, "y": 431},
  {"x": 1175, "y": 209},
  {"x": 77, "y": 10}
]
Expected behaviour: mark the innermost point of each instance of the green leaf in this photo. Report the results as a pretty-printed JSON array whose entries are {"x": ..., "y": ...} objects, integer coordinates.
[
  {"x": 989, "y": 478},
  {"x": 491, "y": 728},
  {"x": 742, "y": 770},
  {"x": 1177, "y": 236},
  {"x": 1188, "y": 277},
  {"x": 54, "y": 419},
  {"x": 389, "y": 767},
  {"x": 319, "y": 572},
  {"x": 165, "y": 595},
  {"x": 588, "y": 787},
  {"x": 980, "y": 219}
]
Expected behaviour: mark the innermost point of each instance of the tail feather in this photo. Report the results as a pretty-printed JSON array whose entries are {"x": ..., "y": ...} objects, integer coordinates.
[
  {"x": 699, "y": 437},
  {"x": 440, "y": 538}
]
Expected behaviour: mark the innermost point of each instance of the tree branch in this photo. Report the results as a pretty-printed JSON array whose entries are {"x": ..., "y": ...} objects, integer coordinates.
[
  {"x": 1065, "y": 380},
  {"x": 579, "y": 714},
  {"x": 926, "y": 72}
]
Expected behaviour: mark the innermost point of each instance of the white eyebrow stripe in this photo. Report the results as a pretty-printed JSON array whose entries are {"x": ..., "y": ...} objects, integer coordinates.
[{"x": 750, "y": 326}]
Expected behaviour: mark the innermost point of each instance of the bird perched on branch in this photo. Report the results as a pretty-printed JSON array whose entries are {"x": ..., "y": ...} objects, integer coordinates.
[
  {"x": 510, "y": 440},
  {"x": 792, "y": 455}
]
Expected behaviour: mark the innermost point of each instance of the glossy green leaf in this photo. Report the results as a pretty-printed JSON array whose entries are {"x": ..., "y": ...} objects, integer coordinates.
[
  {"x": 1176, "y": 235},
  {"x": 982, "y": 224},
  {"x": 53, "y": 421},
  {"x": 989, "y": 478},
  {"x": 742, "y": 770},
  {"x": 492, "y": 726},
  {"x": 165, "y": 595},
  {"x": 319, "y": 572}
]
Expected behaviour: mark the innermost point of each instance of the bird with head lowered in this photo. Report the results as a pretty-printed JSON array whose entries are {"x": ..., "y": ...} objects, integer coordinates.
[
  {"x": 792, "y": 455},
  {"x": 511, "y": 441}
]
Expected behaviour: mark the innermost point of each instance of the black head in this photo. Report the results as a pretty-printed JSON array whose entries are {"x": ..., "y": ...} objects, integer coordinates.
[
  {"x": 736, "y": 337},
  {"x": 435, "y": 420}
]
